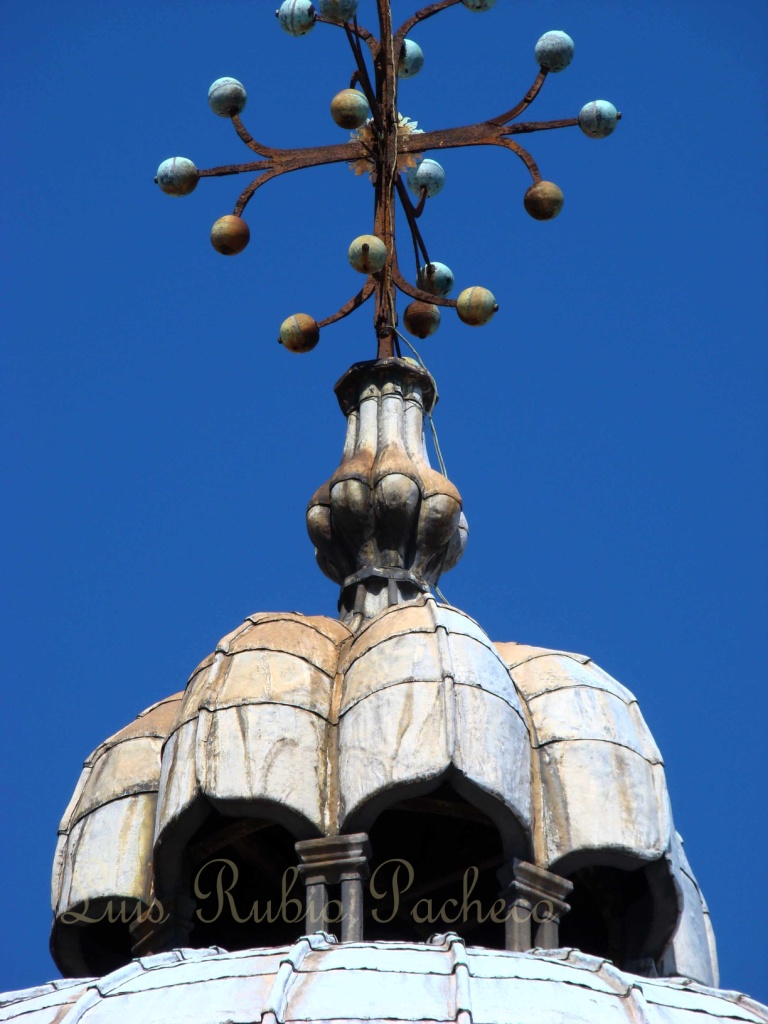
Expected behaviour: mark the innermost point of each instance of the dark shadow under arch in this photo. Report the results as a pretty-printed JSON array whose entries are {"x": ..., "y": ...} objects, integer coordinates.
[
  {"x": 442, "y": 838},
  {"x": 241, "y": 874},
  {"x": 626, "y": 914}
]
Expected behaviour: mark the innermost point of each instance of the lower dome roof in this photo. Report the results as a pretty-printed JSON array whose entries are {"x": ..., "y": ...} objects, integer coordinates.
[{"x": 319, "y": 980}]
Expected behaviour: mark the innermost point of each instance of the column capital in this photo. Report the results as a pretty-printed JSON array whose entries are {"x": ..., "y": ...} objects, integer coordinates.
[
  {"x": 525, "y": 887},
  {"x": 334, "y": 859}
]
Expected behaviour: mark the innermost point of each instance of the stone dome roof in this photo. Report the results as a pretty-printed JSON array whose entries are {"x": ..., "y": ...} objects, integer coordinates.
[
  {"x": 318, "y": 980},
  {"x": 104, "y": 848},
  {"x": 297, "y": 721}
]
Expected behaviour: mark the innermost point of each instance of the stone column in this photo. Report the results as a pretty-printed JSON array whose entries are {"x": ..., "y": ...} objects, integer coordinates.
[
  {"x": 535, "y": 901},
  {"x": 335, "y": 860}
]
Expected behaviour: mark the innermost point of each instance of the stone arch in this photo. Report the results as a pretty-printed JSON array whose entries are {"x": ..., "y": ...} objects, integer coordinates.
[
  {"x": 219, "y": 861},
  {"x": 436, "y": 850}
]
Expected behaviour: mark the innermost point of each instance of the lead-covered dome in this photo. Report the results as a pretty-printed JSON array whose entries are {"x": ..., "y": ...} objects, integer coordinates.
[
  {"x": 318, "y": 980},
  {"x": 416, "y": 732}
]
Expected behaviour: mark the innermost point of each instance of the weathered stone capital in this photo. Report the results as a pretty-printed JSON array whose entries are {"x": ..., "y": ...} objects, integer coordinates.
[
  {"x": 527, "y": 889},
  {"x": 334, "y": 859},
  {"x": 523, "y": 881}
]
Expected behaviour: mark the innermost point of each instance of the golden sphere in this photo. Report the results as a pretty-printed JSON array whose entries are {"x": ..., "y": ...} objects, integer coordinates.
[
  {"x": 476, "y": 306},
  {"x": 299, "y": 333},
  {"x": 349, "y": 108},
  {"x": 544, "y": 200},
  {"x": 421, "y": 319},
  {"x": 230, "y": 235}
]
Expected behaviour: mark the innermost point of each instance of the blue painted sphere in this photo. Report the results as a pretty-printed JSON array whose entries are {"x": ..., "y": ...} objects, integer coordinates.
[
  {"x": 177, "y": 176},
  {"x": 411, "y": 60},
  {"x": 436, "y": 278},
  {"x": 554, "y": 51},
  {"x": 297, "y": 17},
  {"x": 367, "y": 254},
  {"x": 227, "y": 96},
  {"x": 479, "y": 5},
  {"x": 429, "y": 174},
  {"x": 339, "y": 11},
  {"x": 598, "y": 118}
]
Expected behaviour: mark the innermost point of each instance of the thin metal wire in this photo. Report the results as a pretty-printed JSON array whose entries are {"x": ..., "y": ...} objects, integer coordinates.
[
  {"x": 432, "y": 427},
  {"x": 431, "y": 422},
  {"x": 435, "y": 441}
]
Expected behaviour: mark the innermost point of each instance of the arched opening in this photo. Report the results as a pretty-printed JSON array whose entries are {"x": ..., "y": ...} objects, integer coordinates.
[
  {"x": 244, "y": 883},
  {"x": 434, "y": 867},
  {"x": 99, "y": 942},
  {"x": 625, "y": 915}
]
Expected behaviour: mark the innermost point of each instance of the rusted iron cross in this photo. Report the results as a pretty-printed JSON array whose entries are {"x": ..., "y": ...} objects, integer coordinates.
[{"x": 386, "y": 146}]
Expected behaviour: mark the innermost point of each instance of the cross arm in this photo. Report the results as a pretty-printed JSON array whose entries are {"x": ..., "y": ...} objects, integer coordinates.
[{"x": 282, "y": 161}]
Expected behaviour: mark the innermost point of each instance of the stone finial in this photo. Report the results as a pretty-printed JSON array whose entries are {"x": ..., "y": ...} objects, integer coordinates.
[{"x": 386, "y": 525}]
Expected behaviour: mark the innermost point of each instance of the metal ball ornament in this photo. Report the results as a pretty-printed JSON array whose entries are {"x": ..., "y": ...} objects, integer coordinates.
[
  {"x": 349, "y": 108},
  {"x": 476, "y": 306},
  {"x": 299, "y": 333},
  {"x": 421, "y": 319},
  {"x": 367, "y": 254},
  {"x": 411, "y": 60},
  {"x": 544, "y": 200},
  {"x": 478, "y": 5},
  {"x": 554, "y": 51},
  {"x": 227, "y": 97},
  {"x": 230, "y": 235},
  {"x": 598, "y": 119},
  {"x": 436, "y": 278},
  {"x": 297, "y": 17},
  {"x": 338, "y": 11},
  {"x": 177, "y": 176},
  {"x": 429, "y": 174}
]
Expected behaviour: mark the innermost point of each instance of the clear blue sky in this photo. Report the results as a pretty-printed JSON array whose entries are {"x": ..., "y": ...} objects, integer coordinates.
[{"x": 607, "y": 430}]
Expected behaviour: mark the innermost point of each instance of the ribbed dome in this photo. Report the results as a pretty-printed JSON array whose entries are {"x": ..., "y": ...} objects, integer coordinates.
[
  {"x": 317, "y": 980},
  {"x": 104, "y": 849},
  {"x": 297, "y": 724}
]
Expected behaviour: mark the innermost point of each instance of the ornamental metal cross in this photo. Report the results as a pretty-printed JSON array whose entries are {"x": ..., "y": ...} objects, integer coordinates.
[{"x": 388, "y": 147}]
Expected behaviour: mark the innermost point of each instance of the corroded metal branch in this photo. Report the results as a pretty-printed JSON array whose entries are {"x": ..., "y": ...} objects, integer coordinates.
[
  {"x": 360, "y": 32},
  {"x": 247, "y": 194},
  {"x": 354, "y": 303},
  {"x": 422, "y": 15},
  {"x": 410, "y": 214},
  {"x": 365, "y": 80},
  {"x": 524, "y": 155},
  {"x": 220, "y": 172},
  {"x": 539, "y": 126},
  {"x": 249, "y": 140},
  {"x": 526, "y": 101},
  {"x": 282, "y": 161},
  {"x": 418, "y": 210},
  {"x": 387, "y": 147}
]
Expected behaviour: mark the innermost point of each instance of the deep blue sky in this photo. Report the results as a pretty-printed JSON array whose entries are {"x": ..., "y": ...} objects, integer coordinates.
[{"x": 607, "y": 430}]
